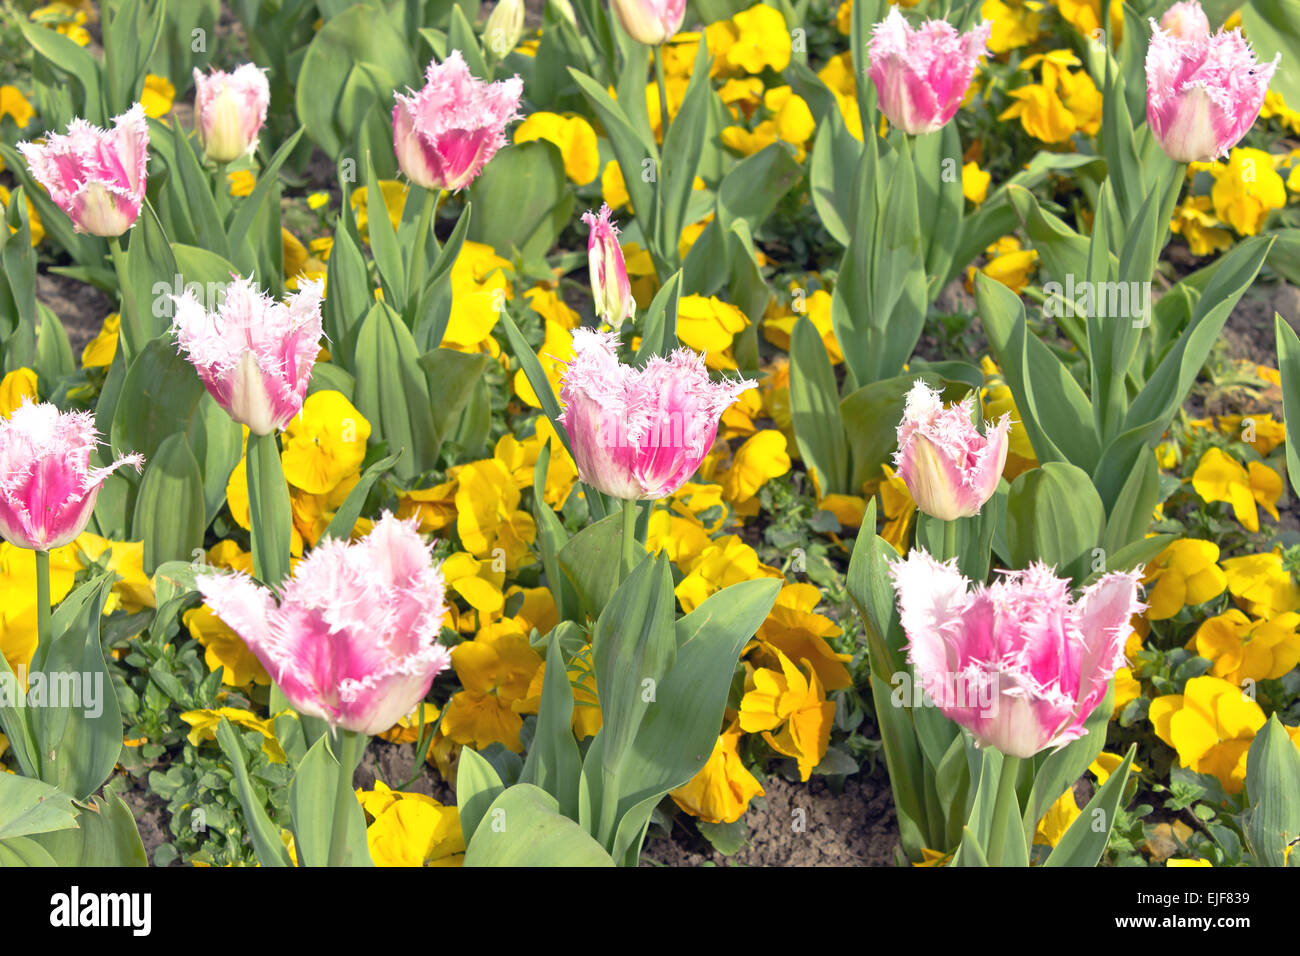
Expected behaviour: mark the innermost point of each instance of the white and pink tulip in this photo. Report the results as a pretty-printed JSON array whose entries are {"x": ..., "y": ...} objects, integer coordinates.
[
  {"x": 254, "y": 355},
  {"x": 231, "y": 108},
  {"x": 47, "y": 486},
  {"x": 610, "y": 287},
  {"x": 353, "y": 638},
  {"x": 96, "y": 176},
  {"x": 640, "y": 433},
  {"x": 1019, "y": 663}
]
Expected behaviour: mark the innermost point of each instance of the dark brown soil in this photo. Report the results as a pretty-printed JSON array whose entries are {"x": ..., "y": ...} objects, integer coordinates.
[
  {"x": 79, "y": 305},
  {"x": 854, "y": 828},
  {"x": 150, "y": 812}
]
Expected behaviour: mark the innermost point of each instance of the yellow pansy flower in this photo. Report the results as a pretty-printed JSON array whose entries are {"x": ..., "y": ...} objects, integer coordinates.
[
  {"x": 1246, "y": 189},
  {"x": 1261, "y": 432},
  {"x": 393, "y": 194},
  {"x": 795, "y": 701},
  {"x": 761, "y": 458},
  {"x": 975, "y": 183},
  {"x": 725, "y": 562},
  {"x": 407, "y": 729},
  {"x": 572, "y": 135},
  {"x": 475, "y": 582},
  {"x": 1184, "y": 574},
  {"x": 721, "y": 791},
  {"x": 479, "y": 290},
  {"x": 1106, "y": 764},
  {"x": 1195, "y": 223},
  {"x": 613, "y": 188},
  {"x": 520, "y": 457},
  {"x": 496, "y": 669},
  {"x": 1242, "y": 649},
  {"x": 1015, "y": 23},
  {"x": 488, "y": 516},
  {"x": 223, "y": 648},
  {"x": 675, "y": 88},
  {"x": 416, "y": 831},
  {"x": 682, "y": 539},
  {"x": 204, "y": 723},
  {"x": 34, "y": 223},
  {"x": 1220, "y": 477},
  {"x": 1007, "y": 263},
  {"x": 241, "y": 182},
  {"x": 794, "y": 628},
  {"x": 435, "y": 507},
  {"x": 837, "y": 74},
  {"x": 1058, "y": 818},
  {"x": 1211, "y": 725},
  {"x": 896, "y": 507},
  {"x": 18, "y": 597},
  {"x": 762, "y": 40},
  {"x": 553, "y": 356},
  {"x": 997, "y": 400},
  {"x": 100, "y": 350},
  {"x": 710, "y": 325},
  {"x": 817, "y": 309},
  {"x": 325, "y": 443},
  {"x": 16, "y": 386},
  {"x": 13, "y": 103},
  {"x": 1261, "y": 585},
  {"x": 157, "y": 95}
]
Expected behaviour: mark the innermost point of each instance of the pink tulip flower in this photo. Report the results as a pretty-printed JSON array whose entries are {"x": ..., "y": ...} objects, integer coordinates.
[
  {"x": 651, "y": 22},
  {"x": 353, "y": 639},
  {"x": 445, "y": 134},
  {"x": 640, "y": 433},
  {"x": 47, "y": 487},
  {"x": 231, "y": 109},
  {"x": 1017, "y": 663},
  {"x": 921, "y": 75},
  {"x": 949, "y": 468},
  {"x": 1186, "y": 20},
  {"x": 253, "y": 354},
  {"x": 609, "y": 284},
  {"x": 1203, "y": 92},
  {"x": 96, "y": 176}
]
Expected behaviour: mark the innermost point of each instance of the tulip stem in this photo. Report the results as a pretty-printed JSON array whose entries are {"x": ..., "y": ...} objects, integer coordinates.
[
  {"x": 131, "y": 336},
  {"x": 629, "y": 537},
  {"x": 42, "y": 598},
  {"x": 348, "y": 750},
  {"x": 1006, "y": 811},
  {"x": 949, "y": 540}
]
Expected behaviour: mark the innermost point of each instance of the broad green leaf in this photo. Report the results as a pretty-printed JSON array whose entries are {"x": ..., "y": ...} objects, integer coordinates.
[
  {"x": 523, "y": 827},
  {"x": 1084, "y": 842},
  {"x": 106, "y": 835},
  {"x": 170, "y": 512},
  {"x": 30, "y": 806},
  {"x": 1273, "y": 788}
]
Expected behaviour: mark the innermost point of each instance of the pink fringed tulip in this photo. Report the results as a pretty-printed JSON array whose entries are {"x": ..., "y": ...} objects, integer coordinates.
[
  {"x": 1203, "y": 92},
  {"x": 253, "y": 354},
  {"x": 353, "y": 639},
  {"x": 96, "y": 176},
  {"x": 231, "y": 109},
  {"x": 640, "y": 433},
  {"x": 948, "y": 466},
  {"x": 651, "y": 22},
  {"x": 1018, "y": 663},
  {"x": 47, "y": 487},
  {"x": 1186, "y": 20},
  {"x": 445, "y": 134},
  {"x": 921, "y": 75},
  {"x": 609, "y": 284}
]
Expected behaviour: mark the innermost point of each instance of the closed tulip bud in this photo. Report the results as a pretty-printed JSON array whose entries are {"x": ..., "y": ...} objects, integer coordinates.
[
  {"x": 231, "y": 108},
  {"x": 47, "y": 487},
  {"x": 353, "y": 637},
  {"x": 640, "y": 433},
  {"x": 1019, "y": 663},
  {"x": 609, "y": 283},
  {"x": 651, "y": 22},
  {"x": 921, "y": 75},
  {"x": 254, "y": 355},
  {"x": 96, "y": 176},
  {"x": 1203, "y": 92},
  {"x": 949, "y": 468},
  {"x": 1185, "y": 20},
  {"x": 445, "y": 134},
  {"x": 505, "y": 25}
]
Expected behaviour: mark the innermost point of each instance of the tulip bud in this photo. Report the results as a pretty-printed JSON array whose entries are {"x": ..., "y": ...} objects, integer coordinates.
[
  {"x": 1203, "y": 92},
  {"x": 921, "y": 75},
  {"x": 230, "y": 108},
  {"x": 505, "y": 25},
  {"x": 609, "y": 283},
  {"x": 949, "y": 468},
  {"x": 1185, "y": 20},
  {"x": 651, "y": 22}
]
